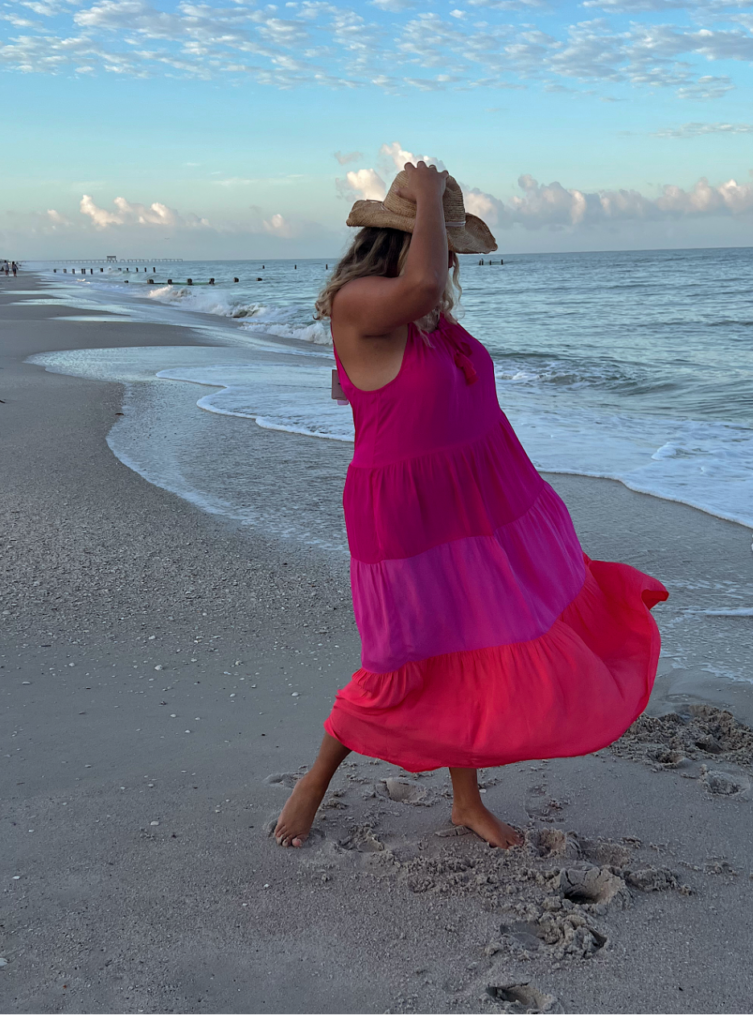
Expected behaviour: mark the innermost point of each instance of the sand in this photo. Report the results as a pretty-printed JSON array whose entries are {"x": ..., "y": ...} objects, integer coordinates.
[{"x": 165, "y": 674}]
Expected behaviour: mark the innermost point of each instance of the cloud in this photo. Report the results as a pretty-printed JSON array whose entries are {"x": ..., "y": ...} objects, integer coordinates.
[
  {"x": 318, "y": 43},
  {"x": 556, "y": 207},
  {"x": 278, "y": 225},
  {"x": 129, "y": 213},
  {"x": 393, "y": 5},
  {"x": 702, "y": 129},
  {"x": 56, "y": 219},
  {"x": 127, "y": 223},
  {"x": 16, "y": 21},
  {"x": 366, "y": 184},
  {"x": 100, "y": 218},
  {"x": 706, "y": 88},
  {"x": 350, "y": 157},
  {"x": 506, "y": 5},
  {"x": 659, "y": 6},
  {"x": 47, "y": 9},
  {"x": 398, "y": 156},
  {"x": 730, "y": 198},
  {"x": 15, "y": 225},
  {"x": 369, "y": 184},
  {"x": 483, "y": 205}
]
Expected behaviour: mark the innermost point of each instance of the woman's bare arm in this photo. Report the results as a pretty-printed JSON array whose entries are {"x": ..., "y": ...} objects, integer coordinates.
[
  {"x": 377, "y": 306},
  {"x": 370, "y": 315}
]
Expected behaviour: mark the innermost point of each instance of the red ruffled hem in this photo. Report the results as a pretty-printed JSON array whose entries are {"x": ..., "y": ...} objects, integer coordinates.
[{"x": 571, "y": 691}]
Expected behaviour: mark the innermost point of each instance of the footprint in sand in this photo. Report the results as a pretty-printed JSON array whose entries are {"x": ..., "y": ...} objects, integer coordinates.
[
  {"x": 333, "y": 801},
  {"x": 540, "y": 805},
  {"x": 572, "y": 936},
  {"x": 363, "y": 839},
  {"x": 524, "y": 998},
  {"x": 564, "y": 934},
  {"x": 653, "y": 879},
  {"x": 286, "y": 780},
  {"x": 593, "y": 886},
  {"x": 606, "y": 854},
  {"x": 677, "y": 738},
  {"x": 723, "y": 783},
  {"x": 600, "y": 885},
  {"x": 552, "y": 842},
  {"x": 665, "y": 756},
  {"x": 405, "y": 792}
]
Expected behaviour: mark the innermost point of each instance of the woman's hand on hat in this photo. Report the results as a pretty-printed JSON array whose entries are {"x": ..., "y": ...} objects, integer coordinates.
[{"x": 423, "y": 182}]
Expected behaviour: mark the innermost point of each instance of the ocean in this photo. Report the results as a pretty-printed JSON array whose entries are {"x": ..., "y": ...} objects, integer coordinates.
[{"x": 635, "y": 366}]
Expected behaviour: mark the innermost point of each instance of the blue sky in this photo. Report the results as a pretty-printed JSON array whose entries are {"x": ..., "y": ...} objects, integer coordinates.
[{"x": 234, "y": 129}]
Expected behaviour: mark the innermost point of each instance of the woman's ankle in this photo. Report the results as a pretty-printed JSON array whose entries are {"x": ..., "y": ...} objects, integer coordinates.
[
  {"x": 316, "y": 780},
  {"x": 467, "y": 806}
]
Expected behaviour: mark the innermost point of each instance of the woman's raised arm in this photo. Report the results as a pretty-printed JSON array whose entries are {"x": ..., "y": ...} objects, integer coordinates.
[{"x": 375, "y": 307}]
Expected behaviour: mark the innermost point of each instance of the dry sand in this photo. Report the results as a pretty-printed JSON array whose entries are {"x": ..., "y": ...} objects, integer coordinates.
[{"x": 164, "y": 676}]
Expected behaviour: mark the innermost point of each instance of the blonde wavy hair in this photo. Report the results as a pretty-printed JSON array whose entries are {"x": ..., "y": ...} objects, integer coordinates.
[{"x": 383, "y": 252}]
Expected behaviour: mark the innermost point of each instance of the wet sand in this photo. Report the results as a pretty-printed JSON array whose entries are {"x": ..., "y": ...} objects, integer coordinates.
[{"x": 165, "y": 674}]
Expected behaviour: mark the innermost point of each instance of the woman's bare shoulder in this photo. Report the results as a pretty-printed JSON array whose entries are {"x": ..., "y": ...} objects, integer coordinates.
[{"x": 354, "y": 290}]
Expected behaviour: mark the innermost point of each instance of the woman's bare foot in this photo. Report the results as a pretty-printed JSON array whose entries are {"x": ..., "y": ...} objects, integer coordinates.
[
  {"x": 486, "y": 825},
  {"x": 294, "y": 823},
  {"x": 468, "y": 810}
]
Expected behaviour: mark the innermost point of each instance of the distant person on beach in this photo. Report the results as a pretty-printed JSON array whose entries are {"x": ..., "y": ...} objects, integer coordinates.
[
  {"x": 488, "y": 636},
  {"x": 14, "y": 268},
  {"x": 6, "y": 267}
]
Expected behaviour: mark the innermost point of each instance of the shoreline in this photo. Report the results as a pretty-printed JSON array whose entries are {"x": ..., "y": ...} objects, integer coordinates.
[
  {"x": 218, "y": 326},
  {"x": 200, "y": 912},
  {"x": 192, "y": 327},
  {"x": 683, "y": 677}
]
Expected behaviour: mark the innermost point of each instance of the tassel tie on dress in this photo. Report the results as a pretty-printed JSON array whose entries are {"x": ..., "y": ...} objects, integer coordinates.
[
  {"x": 462, "y": 361},
  {"x": 462, "y": 353}
]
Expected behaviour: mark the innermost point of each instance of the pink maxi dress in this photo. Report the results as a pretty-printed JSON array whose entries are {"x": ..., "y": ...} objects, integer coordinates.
[{"x": 488, "y": 636}]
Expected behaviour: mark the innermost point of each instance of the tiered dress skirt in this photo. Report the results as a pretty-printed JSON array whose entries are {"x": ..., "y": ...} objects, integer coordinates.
[{"x": 489, "y": 637}]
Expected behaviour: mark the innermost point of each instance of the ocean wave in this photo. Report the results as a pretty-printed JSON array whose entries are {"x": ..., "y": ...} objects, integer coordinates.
[
  {"x": 315, "y": 334},
  {"x": 743, "y": 611},
  {"x": 273, "y": 320},
  {"x": 534, "y": 369}
]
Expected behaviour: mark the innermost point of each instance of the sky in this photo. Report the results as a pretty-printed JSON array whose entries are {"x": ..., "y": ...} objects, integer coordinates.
[{"x": 232, "y": 129}]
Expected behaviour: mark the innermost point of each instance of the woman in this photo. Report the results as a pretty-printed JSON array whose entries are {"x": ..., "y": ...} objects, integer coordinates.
[{"x": 488, "y": 635}]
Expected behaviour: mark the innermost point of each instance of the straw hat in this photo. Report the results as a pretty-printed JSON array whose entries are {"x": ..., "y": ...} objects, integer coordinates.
[{"x": 466, "y": 233}]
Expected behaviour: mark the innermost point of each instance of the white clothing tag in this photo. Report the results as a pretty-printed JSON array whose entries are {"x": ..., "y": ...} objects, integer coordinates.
[{"x": 337, "y": 392}]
